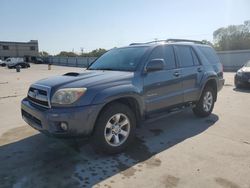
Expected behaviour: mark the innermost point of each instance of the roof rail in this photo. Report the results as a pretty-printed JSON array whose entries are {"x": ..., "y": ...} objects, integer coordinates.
[
  {"x": 136, "y": 44},
  {"x": 184, "y": 40},
  {"x": 169, "y": 40},
  {"x": 155, "y": 41}
]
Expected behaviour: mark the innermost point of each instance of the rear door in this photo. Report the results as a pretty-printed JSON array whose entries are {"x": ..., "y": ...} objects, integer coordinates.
[
  {"x": 163, "y": 89},
  {"x": 192, "y": 71}
]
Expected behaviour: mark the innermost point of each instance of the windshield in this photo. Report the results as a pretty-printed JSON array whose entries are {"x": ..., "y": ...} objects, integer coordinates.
[
  {"x": 247, "y": 64},
  {"x": 122, "y": 59}
]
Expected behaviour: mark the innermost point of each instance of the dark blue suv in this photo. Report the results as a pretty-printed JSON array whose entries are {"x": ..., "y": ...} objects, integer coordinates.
[{"x": 123, "y": 87}]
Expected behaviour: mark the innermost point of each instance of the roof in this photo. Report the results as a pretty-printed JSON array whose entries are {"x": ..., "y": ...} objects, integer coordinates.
[{"x": 11, "y": 42}]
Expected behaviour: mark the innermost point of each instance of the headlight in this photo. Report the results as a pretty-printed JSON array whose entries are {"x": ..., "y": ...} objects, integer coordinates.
[
  {"x": 67, "y": 95},
  {"x": 239, "y": 72}
]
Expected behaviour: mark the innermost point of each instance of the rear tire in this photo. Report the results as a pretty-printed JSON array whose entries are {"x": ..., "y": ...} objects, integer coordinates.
[
  {"x": 205, "y": 105},
  {"x": 114, "y": 129}
]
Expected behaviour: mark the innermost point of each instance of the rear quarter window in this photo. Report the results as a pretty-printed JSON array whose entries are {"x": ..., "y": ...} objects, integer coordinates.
[{"x": 210, "y": 54}]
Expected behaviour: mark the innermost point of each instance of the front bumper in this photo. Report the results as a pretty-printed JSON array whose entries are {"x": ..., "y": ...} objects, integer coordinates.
[
  {"x": 242, "y": 80},
  {"x": 80, "y": 120}
]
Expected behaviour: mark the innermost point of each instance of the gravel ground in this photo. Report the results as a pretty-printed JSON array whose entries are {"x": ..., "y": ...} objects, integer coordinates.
[{"x": 179, "y": 150}]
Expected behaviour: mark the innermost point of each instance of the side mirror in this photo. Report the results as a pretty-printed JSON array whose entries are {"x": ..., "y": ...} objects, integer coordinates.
[{"x": 155, "y": 65}]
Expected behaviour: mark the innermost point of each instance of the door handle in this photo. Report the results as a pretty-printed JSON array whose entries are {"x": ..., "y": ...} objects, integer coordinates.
[
  {"x": 177, "y": 74},
  {"x": 199, "y": 69}
]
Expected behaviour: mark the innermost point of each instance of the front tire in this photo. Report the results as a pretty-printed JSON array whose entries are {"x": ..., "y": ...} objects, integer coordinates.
[
  {"x": 237, "y": 84},
  {"x": 114, "y": 129},
  {"x": 205, "y": 105}
]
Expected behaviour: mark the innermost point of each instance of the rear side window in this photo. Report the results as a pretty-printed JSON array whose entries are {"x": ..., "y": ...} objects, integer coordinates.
[
  {"x": 210, "y": 54},
  {"x": 169, "y": 57},
  {"x": 185, "y": 56},
  {"x": 195, "y": 58}
]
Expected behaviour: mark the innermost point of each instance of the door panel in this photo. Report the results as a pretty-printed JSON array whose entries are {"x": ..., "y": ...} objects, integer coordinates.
[
  {"x": 162, "y": 89},
  {"x": 191, "y": 80},
  {"x": 192, "y": 72}
]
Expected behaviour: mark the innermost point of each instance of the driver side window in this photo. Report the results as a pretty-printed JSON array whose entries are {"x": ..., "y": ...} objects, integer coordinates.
[{"x": 166, "y": 53}]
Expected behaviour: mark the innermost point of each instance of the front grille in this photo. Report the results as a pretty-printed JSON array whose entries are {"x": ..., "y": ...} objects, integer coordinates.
[
  {"x": 246, "y": 74},
  {"x": 31, "y": 118},
  {"x": 39, "y": 96},
  {"x": 37, "y": 101}
]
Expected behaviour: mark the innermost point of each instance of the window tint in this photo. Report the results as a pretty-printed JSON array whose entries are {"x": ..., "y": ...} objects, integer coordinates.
[
  {"x": 185, "y": 56},
  {"x": 169, "y": 57},
  {"x": 195, "y": 58},
  {"x": 157, "y": 53},
  {"x": 210, "y": 54},
  {"x": 166, "y": 53},
  {"x": 123, "y": 59}
]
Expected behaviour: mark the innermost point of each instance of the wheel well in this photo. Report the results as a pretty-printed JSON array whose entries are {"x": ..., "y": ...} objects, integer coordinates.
[
  {"x": 130, "y": 102},
  {"x": 212, "y": 83}
]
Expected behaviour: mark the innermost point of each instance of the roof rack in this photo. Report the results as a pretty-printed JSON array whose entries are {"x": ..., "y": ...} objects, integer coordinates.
[
  {"x": 169, "y": 40},
  {"x": 184, "y": 40},
  {"x": 136, "y": 44}
]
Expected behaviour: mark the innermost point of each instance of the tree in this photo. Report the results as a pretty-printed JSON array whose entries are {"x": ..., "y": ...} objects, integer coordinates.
[
  {"x": 207, "y": 42},
  {"x": 95, "y": 53},
  {"x": 67, "y": 54},
  {"x": 43, "y": 54},
  {"x": 233, "y": 37}
]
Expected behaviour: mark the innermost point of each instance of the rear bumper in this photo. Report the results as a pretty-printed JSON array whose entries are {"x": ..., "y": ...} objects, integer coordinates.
[{"x": 80, "y": 120}]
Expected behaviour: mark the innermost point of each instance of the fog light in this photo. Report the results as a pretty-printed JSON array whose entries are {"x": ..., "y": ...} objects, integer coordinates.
[{"x": 64, "y": 126}]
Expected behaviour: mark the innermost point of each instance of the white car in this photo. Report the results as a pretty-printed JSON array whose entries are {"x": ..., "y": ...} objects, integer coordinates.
[
  {"x": 2, "y": 63},
  {"x": 16, "y": 61}
]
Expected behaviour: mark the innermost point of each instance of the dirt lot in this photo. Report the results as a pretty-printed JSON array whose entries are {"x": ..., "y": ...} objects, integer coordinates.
[{"x": 176, "y": 151}]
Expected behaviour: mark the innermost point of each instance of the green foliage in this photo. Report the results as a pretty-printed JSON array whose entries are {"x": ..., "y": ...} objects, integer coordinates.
[
  {"x": 233, "y": 37},
  {"x": 207, "y": 43},
  {"x": 95, "y": 53},
  {"x": 43, "y": 54},
  {"x": 67, "y": 54}
]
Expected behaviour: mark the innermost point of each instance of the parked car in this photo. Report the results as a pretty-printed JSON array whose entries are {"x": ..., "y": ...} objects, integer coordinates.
[
  {"x": 2, "y": 63},
  {"x": 14, "y": 62},
  {"x": 242, "y": 76},
  {"x": 123, "y": 87},
  {"x": 37, "y": 60}
]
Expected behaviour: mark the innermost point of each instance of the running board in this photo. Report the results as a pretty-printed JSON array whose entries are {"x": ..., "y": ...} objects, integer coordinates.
[{"x": 168, "y": 112}]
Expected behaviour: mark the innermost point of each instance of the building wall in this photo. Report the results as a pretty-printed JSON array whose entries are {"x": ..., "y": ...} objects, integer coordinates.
[
  {"x": 233, "y": 60},
  {"x": 19, "y": 49}
]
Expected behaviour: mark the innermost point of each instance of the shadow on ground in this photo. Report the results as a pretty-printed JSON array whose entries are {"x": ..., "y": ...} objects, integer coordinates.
[
  {"x": 39, "y": 161},
  {"x": 243, "y": 90}
]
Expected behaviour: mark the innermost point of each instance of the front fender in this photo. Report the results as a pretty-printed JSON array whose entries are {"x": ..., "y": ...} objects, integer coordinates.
[{"x": 118, "y": 92}]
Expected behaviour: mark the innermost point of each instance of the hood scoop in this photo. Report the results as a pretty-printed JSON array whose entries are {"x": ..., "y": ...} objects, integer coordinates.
[{"x": 75, "y": 74}]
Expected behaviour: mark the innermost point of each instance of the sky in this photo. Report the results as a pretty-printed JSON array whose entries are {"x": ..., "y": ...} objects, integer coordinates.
[{"x": 69, "y": 25}]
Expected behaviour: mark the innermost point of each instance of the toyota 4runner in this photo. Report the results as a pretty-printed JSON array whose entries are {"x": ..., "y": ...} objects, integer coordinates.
[{"x": 123, "y": 87}]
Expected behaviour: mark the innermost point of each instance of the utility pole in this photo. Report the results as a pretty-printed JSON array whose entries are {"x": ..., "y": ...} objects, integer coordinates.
[{"x": 82, "y": 50}]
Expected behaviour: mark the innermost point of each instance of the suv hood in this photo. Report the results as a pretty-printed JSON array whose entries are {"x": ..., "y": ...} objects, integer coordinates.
[
  {"x": 87, "y": 79},
  {"x": 245, "y": 69}
]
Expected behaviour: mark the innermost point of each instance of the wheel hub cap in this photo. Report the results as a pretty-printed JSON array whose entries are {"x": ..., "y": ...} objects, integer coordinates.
[
  {"x": 117, "y": 129},
  {"x": 208, "y": 101}
]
